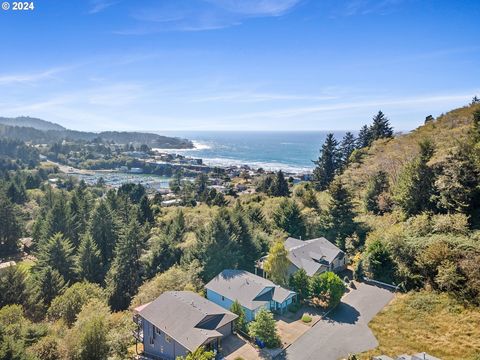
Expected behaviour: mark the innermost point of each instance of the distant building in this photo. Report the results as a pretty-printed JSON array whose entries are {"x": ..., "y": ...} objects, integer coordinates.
[
  {"x": 136, "y": 170},
  {"x": 251, "y": 291},
  {"x": 7, "y": 264},
  {"x": 179, "y": 322},
  {"x": 314, "y": 256}
]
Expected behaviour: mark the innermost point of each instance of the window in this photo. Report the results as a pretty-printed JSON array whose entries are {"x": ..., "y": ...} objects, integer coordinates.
[
  {"x": 168, "y": 338},
  {"x": 158, "y": 331},
  {"x": 223, "y": 298},
  {"x": 153, "y": 331},
  {"x": 152, "y": 341}
]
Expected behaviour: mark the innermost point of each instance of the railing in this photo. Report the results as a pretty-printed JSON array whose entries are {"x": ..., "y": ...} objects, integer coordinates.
[{"x": 368, "y": 280}]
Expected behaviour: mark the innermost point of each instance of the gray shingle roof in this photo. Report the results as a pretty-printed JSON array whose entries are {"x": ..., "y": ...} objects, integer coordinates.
[
  {"x": 311, "y": 255},
  {"x": 246, "y": 288},
  {"x": 187, "y": 317}
]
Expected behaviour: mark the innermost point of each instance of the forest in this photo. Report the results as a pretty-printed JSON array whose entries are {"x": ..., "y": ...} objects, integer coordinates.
[{"x": 404, "y": 207}]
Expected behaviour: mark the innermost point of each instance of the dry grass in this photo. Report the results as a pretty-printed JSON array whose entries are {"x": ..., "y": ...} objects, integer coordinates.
[{"x": 430, "y": 322}]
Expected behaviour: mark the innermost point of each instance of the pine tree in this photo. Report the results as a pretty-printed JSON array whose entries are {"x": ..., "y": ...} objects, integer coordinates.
[
  {"x": 381, "y": 127},
  {"x": 327, "y": 164},
  {"x": 146, "y": 211},
  {"x": 103, "y": 230},
  {"x": 347, "y": 146},
  {"x": 57, "y": 253},
  {"x": 13, "y": 287},
  {"x": 124, "y": 276},
  {"x": 377, "y": 185},
  {"x": 364, "y": 137},
  {"x": 288, "y": 217},
  {"x": 276, "y": 264},
  {"x": 240, "y": 321},
  {"x": 414, "y": 188},
  {"x": 88, "y": 262},
  {"x": 264, "y": 328},
  {"x": 299, "y": 283},
  {"x": 10, "y": 228},
  {"x": 241, "y": 231},
  {"x": 56, "y": 220},
  {"x": 280, "y": 185},
  {"x": 77, "y": 216},
  {"x": 340, "y": 214},
  {"x": 216, "y": 249},
  {"x": 49, "y": 284}
]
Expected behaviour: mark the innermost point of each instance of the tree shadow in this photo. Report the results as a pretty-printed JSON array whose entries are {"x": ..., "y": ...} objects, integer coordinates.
[{"x": 345, "y": 314}]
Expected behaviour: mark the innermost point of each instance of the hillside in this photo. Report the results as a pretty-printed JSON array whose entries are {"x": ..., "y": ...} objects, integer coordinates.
[
  {"x": 40, "y": 131},
  {"x": 430, "y": 322},
  {"x": 26, "y": 121},
  {"x": 390, "y": 155}
]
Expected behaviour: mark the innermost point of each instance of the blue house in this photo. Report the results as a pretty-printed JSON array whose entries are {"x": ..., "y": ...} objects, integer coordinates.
[
  {"x": 179, "y": 322},
  {"x": 251, "y": 291}
]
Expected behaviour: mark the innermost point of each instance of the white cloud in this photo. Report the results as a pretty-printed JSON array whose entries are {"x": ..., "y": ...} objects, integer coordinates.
[{"x": 7, "y": 79}]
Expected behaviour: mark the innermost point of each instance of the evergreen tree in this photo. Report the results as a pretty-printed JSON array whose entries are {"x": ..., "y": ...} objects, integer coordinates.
[
  {"x": 299, "y": 283},
  {"x": 327, "y": 164},
  {"x": 264, "y": 328},
  {"x": 216, "y": 249},
  {"x": 57, "y": 253},
  {"x": 78, "y": 210},
  {"x": 414, "y": 189},
  {"x": 364, "y": 137},
  {"x": 240, "y": 322},
  {"x": 16, "y": 192},
  {"x": 49, "y": 284},
  {"x": 347, "y": 146},
  {"x": 14, "y": 288},
  {"x": 56, "y": 220},
  {"x": 241, "y": 231},
  {"x": 377, "y": 185},
  {"x": 340, "y": 214},
  {"x": 103, "y": 230},
  {"x": 276, "y": 264},
  {"x": 88, "y": 262},
  {"x": 379, "y": 262},
  {"x": 457, "y": 187},
  {"x": 381, "y": 127},
  {"x": 146, "y": 211},
  {"x": 10, "y": 228},
  {"x": 201, "y": 187},
  {"x": 124, "y": 276},
  {"x": 288, "y": 217},
  {"x": 280, "y": 185}
]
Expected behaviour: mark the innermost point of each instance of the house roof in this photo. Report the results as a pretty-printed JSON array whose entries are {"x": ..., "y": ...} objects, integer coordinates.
[
  {"x": 188, "y": 318},
  {"x": 424, "y": 356},
  {"x": 311, "y": 255},
  {"x": 247, "y": 288}
]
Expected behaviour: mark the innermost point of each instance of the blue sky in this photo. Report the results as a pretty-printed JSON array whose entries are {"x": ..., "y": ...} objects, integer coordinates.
[{"x": 238, "y": 64}]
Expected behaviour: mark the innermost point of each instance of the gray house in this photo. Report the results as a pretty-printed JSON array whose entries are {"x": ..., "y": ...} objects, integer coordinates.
[
  {"x": 314, "y": 256},
  {"x": 251, "y": 291},
  {"x": 179, "y": 322}
]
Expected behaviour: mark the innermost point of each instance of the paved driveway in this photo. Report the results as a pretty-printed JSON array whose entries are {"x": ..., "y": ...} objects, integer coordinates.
[{"x": 345, "y": 330}]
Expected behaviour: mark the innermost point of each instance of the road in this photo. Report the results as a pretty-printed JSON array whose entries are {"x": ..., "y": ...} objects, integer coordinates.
[{"x": 345, "y": 330}]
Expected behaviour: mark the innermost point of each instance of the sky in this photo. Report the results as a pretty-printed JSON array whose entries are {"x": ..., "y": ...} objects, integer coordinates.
[{"x": 238, "y": 64}]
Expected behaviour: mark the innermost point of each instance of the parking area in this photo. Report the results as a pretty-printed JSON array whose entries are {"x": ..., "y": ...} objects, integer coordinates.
[{"x": 345, "y": 330}]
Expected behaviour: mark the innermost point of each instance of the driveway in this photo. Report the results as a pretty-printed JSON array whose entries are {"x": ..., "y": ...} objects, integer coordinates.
[{"x": 345, "y": 330}]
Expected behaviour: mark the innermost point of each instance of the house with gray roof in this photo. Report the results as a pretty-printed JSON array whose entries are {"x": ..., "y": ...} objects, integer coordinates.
[
  {"x": 179, "y": 322},
  {"x": 251, "y": 291},
  {"x": 314, "y": 256}
]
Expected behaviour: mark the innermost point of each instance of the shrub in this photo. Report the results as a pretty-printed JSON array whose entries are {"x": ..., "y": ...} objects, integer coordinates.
[
  {"x": 306, "y": 318},
  {"x": 450, "y": 223},
  {"x": 327, "y": 287}
]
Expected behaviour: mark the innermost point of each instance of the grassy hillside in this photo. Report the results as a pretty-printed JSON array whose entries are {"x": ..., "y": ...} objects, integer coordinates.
[
  {"x": 430, "y": 322},
  {"x": 390, "y": 155}
]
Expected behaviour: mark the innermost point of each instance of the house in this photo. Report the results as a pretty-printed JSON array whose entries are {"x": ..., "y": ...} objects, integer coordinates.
[
  {"x": 179, "y": 322},
  {"x": 314, "y": 256},
  {"x": 419, "y": 356},
  {"x": 251, "y": 291}
]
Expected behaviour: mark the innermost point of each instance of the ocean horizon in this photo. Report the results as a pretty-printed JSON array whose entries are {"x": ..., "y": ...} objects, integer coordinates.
[{"x": 290, "y": 151}]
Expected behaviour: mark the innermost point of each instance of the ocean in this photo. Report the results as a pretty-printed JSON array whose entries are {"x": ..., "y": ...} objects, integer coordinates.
[{"x": 289, "y": 151}]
